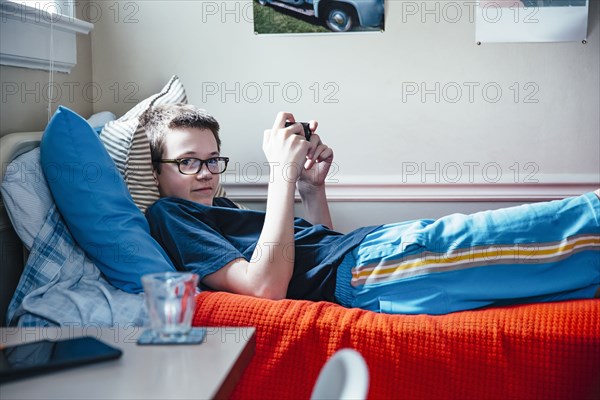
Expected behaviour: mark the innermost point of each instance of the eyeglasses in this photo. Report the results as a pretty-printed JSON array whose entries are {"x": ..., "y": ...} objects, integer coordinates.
[{"x": 191, "y": 166}]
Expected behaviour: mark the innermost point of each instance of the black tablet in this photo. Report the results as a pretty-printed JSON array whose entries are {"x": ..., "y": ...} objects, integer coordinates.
[{"x": 28, "y": 359}]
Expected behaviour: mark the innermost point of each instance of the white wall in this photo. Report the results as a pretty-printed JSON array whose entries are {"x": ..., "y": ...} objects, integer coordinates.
[{"x": 385, "y": 141}]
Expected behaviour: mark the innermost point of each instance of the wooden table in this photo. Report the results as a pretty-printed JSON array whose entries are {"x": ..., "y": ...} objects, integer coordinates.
[{"x": 204, "y": 371}]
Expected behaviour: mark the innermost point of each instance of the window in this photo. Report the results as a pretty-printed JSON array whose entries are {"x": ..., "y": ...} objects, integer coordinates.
[
  {"x": 49, "y": 6},
  {"x": 40, "y": 34}
]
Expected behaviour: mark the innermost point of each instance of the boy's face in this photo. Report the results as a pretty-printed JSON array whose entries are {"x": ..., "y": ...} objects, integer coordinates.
[{"x": 183, "y": 143}]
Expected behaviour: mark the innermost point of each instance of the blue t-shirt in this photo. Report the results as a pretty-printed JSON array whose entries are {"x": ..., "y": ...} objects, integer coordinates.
[{"x": 204, "y": 239}]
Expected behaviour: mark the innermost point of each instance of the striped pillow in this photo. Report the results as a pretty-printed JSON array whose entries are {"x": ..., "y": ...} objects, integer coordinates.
[{"x": 128, "y": 145}]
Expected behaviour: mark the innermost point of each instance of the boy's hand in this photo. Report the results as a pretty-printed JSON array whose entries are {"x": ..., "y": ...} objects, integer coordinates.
[
  {"x": 318, "y": 161},
  {"x": 285, "y": 148},
  {"x": 311, "y": 184}
]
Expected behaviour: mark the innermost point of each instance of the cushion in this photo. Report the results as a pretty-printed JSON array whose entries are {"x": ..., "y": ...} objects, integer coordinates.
[
  {"x": 128, "y": 144},
  {"x": 26, "y": 193},
  {"x": 26, "y": 196},
  {"x": 96, "y": 205},
  {"x": 98, "y": 120},
  {"x": 59, "y": 284}
]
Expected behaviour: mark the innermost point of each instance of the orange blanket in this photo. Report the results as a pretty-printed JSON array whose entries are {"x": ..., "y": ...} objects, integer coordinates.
[{"x": 535, "y": 351}]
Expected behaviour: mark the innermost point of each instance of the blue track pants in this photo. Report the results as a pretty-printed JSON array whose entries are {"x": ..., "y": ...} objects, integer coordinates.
[{"x": 530, "y": 253}]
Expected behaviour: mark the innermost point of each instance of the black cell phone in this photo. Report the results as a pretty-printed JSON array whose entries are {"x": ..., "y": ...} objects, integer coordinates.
[
  {"x": 305, "y": 126},
  {"x": 28, "y": 359}
]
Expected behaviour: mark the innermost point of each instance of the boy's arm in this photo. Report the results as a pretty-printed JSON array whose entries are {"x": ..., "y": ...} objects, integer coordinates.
[
  {"x": 269, "y": 271},
  {"x": 316, "y": 207}
]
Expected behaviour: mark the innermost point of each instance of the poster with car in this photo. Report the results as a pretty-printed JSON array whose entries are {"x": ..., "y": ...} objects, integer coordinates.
[
  {"x": 318, "y": 16},
  {"x": 531, "y": 21}
]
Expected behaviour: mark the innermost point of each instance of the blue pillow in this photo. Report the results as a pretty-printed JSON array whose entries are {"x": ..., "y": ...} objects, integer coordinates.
[{"x": 94, "y": 201}]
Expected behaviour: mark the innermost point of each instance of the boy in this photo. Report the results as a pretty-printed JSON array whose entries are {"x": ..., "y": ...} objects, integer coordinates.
[{"x": 541, "y": 252}]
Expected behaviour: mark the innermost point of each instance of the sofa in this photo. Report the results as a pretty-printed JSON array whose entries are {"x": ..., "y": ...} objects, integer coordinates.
[{"x": 535, "y": 351}]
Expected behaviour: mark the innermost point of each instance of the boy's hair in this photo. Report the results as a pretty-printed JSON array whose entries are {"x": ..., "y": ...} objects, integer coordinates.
[{"x": 158, "y": 120}]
